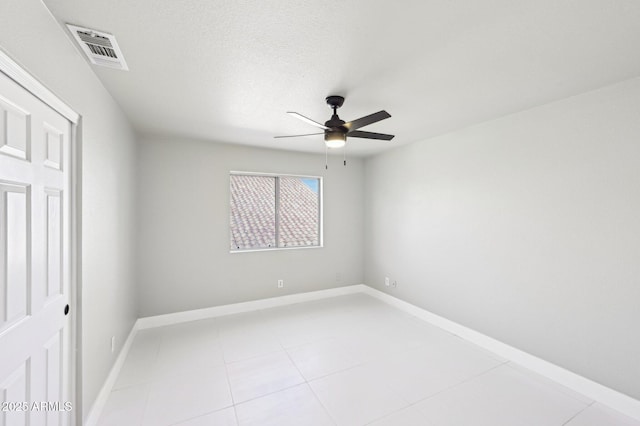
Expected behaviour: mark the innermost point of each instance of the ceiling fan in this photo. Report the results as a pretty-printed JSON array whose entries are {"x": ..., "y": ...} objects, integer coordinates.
[{"x": 337, "y": 130}]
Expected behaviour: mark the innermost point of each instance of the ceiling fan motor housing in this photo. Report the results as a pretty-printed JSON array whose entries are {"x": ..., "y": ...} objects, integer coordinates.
[{"x": 335, "y": 123}]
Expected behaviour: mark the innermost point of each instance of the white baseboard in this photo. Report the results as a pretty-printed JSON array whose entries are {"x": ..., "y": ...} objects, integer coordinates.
[
  {"x": 236, "y": 308},
  {"x": 575, "y": 382},
  {"x": 98, "y": 405},
  {"x": 607, "y": 396},
  {"x": 198, "y": 314}
]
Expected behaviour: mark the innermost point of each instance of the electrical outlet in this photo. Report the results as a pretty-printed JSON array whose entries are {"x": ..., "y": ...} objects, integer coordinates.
[
  {"x": 280, "y": 283},
  {"x": 386, "y": 281},
  {"x": 113, "y": 344},
  {"x": 394, "y": 283}
]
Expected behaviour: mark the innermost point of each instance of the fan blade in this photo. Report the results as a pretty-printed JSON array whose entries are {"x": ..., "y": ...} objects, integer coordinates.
[
  {"x": 307, "y": 120},
  {"x": 365, "y": 121},
  {"x": 295, "y": 136},
  {"x": 369, "y": 135}
]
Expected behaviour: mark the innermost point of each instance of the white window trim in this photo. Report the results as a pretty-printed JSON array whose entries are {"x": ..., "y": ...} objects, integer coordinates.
[{"x": 277, "y": 225}]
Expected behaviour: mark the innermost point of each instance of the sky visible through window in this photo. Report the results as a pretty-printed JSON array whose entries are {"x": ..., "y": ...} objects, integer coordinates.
[{"x": 311, "y": 183}]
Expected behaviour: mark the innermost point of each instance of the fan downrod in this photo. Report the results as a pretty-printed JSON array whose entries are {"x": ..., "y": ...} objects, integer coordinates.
[{"x": 335, "y": 124}]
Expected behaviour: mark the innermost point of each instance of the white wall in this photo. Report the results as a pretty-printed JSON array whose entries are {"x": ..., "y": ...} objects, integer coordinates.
[
  {"x": 525, "y": 228},
  {"x": 183, "y": 227},
  {"x": 30, "y": 35}
]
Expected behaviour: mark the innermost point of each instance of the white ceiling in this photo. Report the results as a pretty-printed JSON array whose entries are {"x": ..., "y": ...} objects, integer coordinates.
[{"x": 228, "y": 70}]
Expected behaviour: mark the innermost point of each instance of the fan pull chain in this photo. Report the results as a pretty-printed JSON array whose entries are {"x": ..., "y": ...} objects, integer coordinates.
[
  {"x": 326, "y": 159},
  {"x": 345, "y": 155}
]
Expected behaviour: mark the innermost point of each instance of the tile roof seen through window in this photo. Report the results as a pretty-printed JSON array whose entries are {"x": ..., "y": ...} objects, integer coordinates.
[{"x": 253, "y": 207}]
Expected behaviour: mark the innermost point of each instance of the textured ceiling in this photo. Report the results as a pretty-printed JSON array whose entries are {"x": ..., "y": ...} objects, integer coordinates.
[{"x": 228, "y": 70}]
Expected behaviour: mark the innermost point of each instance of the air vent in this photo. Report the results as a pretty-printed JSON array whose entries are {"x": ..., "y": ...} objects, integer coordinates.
[{"x": 101, "y": 48}]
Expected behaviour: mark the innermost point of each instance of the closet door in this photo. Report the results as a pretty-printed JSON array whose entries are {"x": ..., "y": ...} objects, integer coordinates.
[{"x": 35, "y": 322}]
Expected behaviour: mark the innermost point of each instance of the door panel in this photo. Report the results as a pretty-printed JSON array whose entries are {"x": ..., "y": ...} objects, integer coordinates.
[
  {"x": 54, "y": 243},
  {"x": 14, "y": 235},
  {"x": 53, "y": 151},
  {"x": 15, "y": 388},
  {"x": 14, "y": 129},
  {"x": 53, "y": 370}
]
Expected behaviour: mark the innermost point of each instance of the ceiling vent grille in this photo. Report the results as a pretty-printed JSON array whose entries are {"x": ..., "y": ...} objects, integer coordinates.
[{"x": 100, "y": 48}]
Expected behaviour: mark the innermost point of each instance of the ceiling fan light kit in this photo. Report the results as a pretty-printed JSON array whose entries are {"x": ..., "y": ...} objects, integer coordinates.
[
  {"x": 336, "y": 130},
  {"x": 334, "y": 139}
]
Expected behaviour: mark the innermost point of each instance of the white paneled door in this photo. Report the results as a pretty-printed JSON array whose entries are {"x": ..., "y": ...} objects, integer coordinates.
[{"x": 35, "y": 324}]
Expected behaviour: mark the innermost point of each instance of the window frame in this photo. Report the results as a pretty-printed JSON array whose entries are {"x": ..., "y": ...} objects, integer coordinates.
[{"x": 277, "y": 177}]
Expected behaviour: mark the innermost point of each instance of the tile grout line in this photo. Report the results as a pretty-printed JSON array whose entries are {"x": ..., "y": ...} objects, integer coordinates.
[
  {"x": 283, "y": 350},
  {"x": 468, "y": 379},
  {"x": 220, "y": 340},
  {"x": 412, "y": 404},
  {"x": 578, "y": 413},
  {"x": 233, "y": 401},
  {"x": 154, "y": 380},
  {"x": 549, "y": 382},
  {"x": 148, "y": 393},
  {"x": 306, "y": 381}
]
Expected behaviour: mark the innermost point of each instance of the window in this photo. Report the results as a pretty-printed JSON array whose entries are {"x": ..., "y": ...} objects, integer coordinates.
[{"x": 275, "y": 211}]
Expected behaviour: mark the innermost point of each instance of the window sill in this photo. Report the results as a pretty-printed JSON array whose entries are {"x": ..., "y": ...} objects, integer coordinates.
[{"x": 275, "y": 249}]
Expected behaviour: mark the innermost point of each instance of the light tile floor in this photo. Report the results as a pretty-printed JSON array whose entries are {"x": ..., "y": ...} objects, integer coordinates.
[{"x": 349, "y": 360}]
